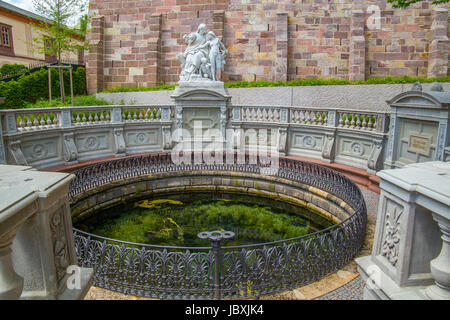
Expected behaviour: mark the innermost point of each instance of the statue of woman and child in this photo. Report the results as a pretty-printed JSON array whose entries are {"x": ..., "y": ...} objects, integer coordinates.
[{"x": 204, "y": 56}]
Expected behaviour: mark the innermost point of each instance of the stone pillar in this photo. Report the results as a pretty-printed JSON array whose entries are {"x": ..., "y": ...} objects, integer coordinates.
[
  {"x": 403, "y": 262},
  {"x": 439, "y": 46},
  {"x": 43, "y": 251},
  {"x": 153, "y": 71},
  {"x": 440, "y": 267},
  {"x": 11, "y": 284},
  {"x": 281, "y": 62},
  {"x": 357, "y": 59},
  {"x": 95, "y": 58},
  {"x": 17, "y": 204},
  {"x": 219, "y": 24}
]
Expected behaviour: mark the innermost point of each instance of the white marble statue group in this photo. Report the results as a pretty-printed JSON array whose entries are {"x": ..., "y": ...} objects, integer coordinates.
[{"x": 204, "y": 56}]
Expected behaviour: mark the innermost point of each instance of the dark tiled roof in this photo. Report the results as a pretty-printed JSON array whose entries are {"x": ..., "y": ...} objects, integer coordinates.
[{"x": 17, "y": 10}]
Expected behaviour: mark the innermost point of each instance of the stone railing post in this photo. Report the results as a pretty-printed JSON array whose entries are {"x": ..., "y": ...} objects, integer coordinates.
[
  {"x": 440, "y": 266},
  {"x": 11, "y": 284},
  {"x": 116, "y": 115},
  {"x": 16, "y": 206},
  {"x": 66, "y": 118},
  {"x": 36, "y": 210},
  {"x": 407, "y": 241}
]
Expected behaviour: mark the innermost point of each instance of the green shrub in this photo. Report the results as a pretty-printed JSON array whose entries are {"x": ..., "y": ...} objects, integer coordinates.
[
  {"x": 298, "y": 82},
  {"x": 12, "y": 68},
  {"x": 90, "y": 100},
  {"x": 31, "y": 88},
  {"x": 154, "y": 88}
]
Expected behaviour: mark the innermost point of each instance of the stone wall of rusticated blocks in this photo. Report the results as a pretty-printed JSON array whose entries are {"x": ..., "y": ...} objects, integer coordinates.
[{"x": 135, "y": 42}]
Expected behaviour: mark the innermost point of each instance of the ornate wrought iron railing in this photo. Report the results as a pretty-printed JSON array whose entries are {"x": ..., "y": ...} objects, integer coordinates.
[{"x": 218, "y": 272}]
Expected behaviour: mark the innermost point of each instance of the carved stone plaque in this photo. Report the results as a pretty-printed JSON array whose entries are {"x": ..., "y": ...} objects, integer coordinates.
[
  {"x": 419, "y": 144},
  {"x": 206, "y": 120}
]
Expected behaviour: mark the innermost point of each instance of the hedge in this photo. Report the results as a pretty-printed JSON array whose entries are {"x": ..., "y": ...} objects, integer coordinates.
[
  {"x": 28, "y": 89},
  {"x": 299, "y": 82}
]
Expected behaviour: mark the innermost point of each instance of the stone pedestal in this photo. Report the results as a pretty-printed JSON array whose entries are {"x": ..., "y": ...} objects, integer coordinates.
[
  {"x": 419, "y": 126},
  {"x": 407, "y": 237},
  {"x": 36, "y": 263},
  {"x": 201, "y": 113}
]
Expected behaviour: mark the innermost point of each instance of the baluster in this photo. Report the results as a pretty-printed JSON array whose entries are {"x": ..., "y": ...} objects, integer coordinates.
[
  {"x": 102, "y": 118},
  {"x": 341, "y": 120},
  {"x": 325, "y": 119},
  {"x": 370, "y": 123},
  {"x": 35, "y": 122},
  {"x": 295, "y": 116},
  {"x": 90, "y": 116},
  {"x": 96, "y": 116},
  {"x": 129, "y": 115},
  {"x": 29, "y": 123},
  {"x": 253, "y": 115},
  {"x": 307, "y": 117},
  {"x": 270, "y": 115},
  {"x": 374, "y": 124},
  {"x": 358, "y": 121},
  {"x": 158, "y": 114},
  {"x": 276, "y": 115},
  {"x": 364, "y": 123},
  {"x": 352, "y": 123},
  {"x": 42, "y": 121},
  {"x": 107, "y": 115},
  {"x": 83, "y": 119},
  {"x": 49, "y": 120},
  {"x": 259, "y": 115},
  {"x": 21, "y": 123},
  {"x": 302, "y": 118},
  {"x": 264, "y": 115}
]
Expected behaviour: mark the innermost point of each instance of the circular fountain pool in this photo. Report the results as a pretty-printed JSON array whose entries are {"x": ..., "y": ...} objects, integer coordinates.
[{"x": 316, "y": 240}]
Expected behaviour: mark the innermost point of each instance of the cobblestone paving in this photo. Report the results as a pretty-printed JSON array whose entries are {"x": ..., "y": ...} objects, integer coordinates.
[
  {"x": 371, "y": 199},
  {"x": 351, "y": 291},
  {"x": 354, "y": 289}
]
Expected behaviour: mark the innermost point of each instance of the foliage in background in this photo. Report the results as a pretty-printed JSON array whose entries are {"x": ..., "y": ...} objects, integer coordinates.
[
  {"x": 407, "y": 3},
  {"x": 137, "y": 89},
  {"x": 81, "y": 101},
  {"x": 13, "y": 68},
  {"x": 30, "y": 88},
  {"x": 299, "y": 82},
  {"x": 55, "y": 37}
]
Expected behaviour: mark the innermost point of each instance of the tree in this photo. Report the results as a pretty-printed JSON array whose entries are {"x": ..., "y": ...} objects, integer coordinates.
[
  {"x": 55, "y": 37},
  {"x": 407, "y": 3}
]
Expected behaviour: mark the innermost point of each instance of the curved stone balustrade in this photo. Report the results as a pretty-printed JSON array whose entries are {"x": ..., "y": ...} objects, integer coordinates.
[{"x": 45, "y": 138}]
